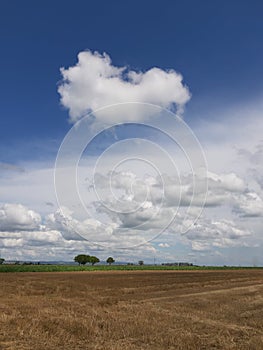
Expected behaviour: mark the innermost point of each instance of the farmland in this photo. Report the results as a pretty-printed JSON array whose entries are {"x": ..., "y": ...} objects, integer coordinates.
[{"x": 130, "y": 310}]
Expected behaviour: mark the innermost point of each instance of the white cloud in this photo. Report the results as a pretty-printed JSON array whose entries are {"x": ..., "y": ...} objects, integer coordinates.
[
  {"x": 208, "y": 234},
  {"x": 94, "y": 82},
  {"x": 163, "y": 245},
  {"x": 17, "y": 217},
  {"x": 227, "y": 182},
  {"x": 249, "y": 205},
  {"x": 33, "y": 188},
  {"x": 200, "y": 246}
]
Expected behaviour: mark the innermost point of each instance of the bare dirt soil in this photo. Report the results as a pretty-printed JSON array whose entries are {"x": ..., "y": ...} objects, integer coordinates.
[{"x": 124, "y": 310}]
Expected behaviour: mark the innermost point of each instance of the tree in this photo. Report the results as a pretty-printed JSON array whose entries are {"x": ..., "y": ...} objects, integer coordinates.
[
  {"x": 82, "y": 259},
  {"x": 1, "y": 260},
  {"x": 110, "y": 260},
  {"x": 93, "y": 260},
  {"x": 141, "y": 262}
]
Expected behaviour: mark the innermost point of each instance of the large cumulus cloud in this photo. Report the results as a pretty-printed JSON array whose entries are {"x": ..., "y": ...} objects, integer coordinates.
[
  {"x": 94, "y": 82},
  {"x": 16, "y": 217}
]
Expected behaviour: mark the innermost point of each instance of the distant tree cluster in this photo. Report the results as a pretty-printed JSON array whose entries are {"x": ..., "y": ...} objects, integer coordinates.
[
  {"x": 83, "y": 259},
  {"x": 1, "y": 260}
]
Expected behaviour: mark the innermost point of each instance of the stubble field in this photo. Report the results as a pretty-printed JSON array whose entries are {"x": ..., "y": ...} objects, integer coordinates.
[{"x": 124, "y": 310}]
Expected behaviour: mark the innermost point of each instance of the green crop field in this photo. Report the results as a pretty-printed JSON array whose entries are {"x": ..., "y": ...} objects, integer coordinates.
[{"x": 66, "y": 268}]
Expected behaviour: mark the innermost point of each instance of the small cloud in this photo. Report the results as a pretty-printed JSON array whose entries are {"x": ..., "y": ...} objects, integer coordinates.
[{"x": 163, "y": 245}]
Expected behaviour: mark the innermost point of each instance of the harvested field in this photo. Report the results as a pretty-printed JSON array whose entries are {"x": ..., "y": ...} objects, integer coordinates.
[{"x": 124, "y": 310}]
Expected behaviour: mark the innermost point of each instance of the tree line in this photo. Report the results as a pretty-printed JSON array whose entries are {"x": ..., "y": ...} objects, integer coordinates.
[{"x": 83, "y": 259}]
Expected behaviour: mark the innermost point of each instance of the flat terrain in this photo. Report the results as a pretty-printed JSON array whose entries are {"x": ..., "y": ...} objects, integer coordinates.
[
  {"x": 69, "y": 268},
  {"x": 123, "y": 310}
]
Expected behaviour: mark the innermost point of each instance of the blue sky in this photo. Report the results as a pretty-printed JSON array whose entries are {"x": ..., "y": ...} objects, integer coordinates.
[{"x": 216, "y": 46}]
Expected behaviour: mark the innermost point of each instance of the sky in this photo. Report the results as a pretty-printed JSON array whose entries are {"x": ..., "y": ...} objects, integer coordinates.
[{"x": 179, "y": 178}]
